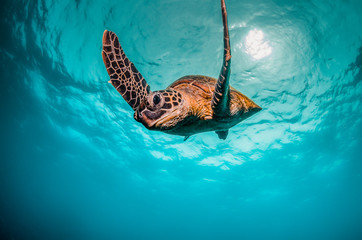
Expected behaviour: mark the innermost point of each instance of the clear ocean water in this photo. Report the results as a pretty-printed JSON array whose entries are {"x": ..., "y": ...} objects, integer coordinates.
[{"x": 75, "y": 164}]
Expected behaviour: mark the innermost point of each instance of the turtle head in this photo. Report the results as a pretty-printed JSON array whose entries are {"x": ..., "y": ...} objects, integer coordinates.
[{"x": 160, "y": 110}]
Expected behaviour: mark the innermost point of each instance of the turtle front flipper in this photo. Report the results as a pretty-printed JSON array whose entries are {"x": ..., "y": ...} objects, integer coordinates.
[
  {"x": 221, "y": 97},
  {"x": 124, "y": 75}
]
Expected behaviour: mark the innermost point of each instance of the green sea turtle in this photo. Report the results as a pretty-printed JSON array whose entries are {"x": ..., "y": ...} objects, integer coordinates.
[{"x": 192, "y": 104}]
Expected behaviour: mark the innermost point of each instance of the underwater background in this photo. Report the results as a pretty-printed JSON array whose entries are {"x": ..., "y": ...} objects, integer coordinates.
[{"x": 76, "y": 165}]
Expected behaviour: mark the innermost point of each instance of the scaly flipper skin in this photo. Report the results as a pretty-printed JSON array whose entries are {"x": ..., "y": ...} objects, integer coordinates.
[
  {"x": 124, "y": 75},
  {"x": 221, "y": 97}
]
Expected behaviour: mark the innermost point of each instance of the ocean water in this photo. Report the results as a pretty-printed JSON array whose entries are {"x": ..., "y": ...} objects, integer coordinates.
[{"x": 75, "y": 164}]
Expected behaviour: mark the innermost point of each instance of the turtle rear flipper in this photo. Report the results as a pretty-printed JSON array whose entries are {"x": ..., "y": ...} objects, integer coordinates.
[
  {"x": 221, "y": 97},
  {"x": 124, "y": 75},
  {"x": 222, "y": 134}
]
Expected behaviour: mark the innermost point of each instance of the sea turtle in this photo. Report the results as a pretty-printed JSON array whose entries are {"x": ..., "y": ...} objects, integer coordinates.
[{"x": 190, "y": 105}]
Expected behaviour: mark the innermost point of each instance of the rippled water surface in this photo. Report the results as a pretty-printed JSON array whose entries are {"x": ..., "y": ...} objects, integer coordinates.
[{"x": 75, "y": 164}]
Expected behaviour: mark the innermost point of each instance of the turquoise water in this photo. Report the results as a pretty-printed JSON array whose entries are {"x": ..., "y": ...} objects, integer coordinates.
[{"x": 75, "y": 164}]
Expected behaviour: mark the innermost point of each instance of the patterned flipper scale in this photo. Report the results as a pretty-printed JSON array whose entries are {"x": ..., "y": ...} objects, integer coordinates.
[{"x": 124, "y": 75}]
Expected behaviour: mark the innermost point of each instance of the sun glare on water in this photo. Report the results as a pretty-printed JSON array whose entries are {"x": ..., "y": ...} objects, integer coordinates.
[{"x": 256, "y": 46}]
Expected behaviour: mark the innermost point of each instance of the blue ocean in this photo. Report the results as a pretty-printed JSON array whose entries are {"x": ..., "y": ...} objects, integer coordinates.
[{"x": 76, "y": 165}]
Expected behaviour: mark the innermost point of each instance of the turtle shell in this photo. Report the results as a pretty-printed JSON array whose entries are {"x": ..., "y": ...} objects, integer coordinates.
[
  {"x": 199, "y": 90},
  {"x": 203, "y": 83}
]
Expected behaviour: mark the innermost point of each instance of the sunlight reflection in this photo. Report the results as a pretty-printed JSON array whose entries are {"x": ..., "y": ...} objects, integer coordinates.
[{"x": 256, "y": 46}]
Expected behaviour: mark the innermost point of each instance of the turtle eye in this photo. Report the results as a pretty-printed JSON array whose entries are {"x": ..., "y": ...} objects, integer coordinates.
[{"x": 156, "y": 99}]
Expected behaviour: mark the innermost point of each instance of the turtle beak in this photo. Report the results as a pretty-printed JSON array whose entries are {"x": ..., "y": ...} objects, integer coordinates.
[
  {"x": 149, "y": 118},
  {"x": 142, "y": 117}
]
